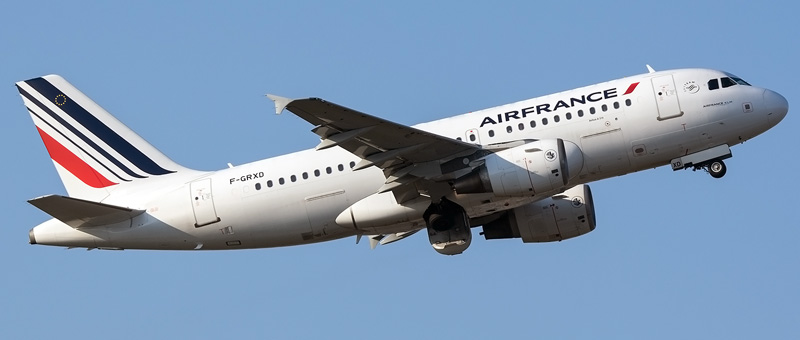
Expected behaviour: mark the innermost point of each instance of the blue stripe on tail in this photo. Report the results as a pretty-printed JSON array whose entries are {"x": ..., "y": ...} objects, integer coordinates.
[{"x": 102, "y": 131}]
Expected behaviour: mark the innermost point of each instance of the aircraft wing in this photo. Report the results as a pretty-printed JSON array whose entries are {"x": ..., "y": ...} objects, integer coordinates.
[
  {"x": 404, "y": 153},
  {"x": 78, "y": 213}
]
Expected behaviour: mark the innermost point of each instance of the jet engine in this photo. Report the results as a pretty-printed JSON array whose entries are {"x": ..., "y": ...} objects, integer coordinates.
[
  {"x": 555, "y": 218},
  {"x": 535, "y": 168}
]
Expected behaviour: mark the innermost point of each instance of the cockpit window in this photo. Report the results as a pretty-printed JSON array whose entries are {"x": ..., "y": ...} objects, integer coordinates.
[
  {"x": 740, "y": 81},
  {"x": 727, "y": 82},
  {"x": 713, "y": 84}
]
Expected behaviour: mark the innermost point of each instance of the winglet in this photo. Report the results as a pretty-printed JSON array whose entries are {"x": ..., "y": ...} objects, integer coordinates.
[
  {"x": 280, "y": 102},
  {"x": 650, "y": 69}
]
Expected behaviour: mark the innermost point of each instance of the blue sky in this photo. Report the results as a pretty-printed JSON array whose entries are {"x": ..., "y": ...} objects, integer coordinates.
[{"x": 675, "y": 254}]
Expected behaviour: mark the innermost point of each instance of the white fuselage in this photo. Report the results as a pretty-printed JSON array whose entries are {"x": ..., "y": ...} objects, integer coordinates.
[{"x": 621, "y": 126}]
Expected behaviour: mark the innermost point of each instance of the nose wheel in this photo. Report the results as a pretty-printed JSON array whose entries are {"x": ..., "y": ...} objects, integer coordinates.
[{"x": 717, "y": 168}]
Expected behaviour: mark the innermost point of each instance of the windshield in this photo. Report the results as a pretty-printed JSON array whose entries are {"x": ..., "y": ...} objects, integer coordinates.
[
  {"x": 740, "y": 81},
  {"x": 724, "y": 82}
]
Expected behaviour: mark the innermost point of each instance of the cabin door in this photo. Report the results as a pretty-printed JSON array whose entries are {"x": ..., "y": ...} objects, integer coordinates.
[
  {"x": 666, "y": 97},
  {"x": 472, "y": 136},
  {"x": 203, "y": 203}
]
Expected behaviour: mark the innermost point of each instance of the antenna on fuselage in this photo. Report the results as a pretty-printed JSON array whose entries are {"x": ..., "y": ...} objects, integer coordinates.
[{"x": 650, "y": 69}]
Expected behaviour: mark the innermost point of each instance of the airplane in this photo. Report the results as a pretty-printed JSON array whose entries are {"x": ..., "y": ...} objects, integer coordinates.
[{"x": 519, "y": 170}]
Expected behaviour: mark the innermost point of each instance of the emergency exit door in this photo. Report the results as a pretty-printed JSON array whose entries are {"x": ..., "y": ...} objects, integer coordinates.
[
  {"x": 666, "y": 97},
  {"x": 203, "y": 203},
  {"x": 472, "y": 136}
]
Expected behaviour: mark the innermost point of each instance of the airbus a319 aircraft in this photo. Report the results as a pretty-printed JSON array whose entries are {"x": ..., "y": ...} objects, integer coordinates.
[{"x": 518, "y": 170}]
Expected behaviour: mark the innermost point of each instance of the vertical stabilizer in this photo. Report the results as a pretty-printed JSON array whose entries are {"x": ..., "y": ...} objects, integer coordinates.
[{"x": 93, "y": 152}]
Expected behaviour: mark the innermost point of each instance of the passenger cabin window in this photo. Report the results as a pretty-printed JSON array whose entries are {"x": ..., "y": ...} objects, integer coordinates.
[
  {"x": 491, "y": 133},
  {"x": 352, "y": 165},
  {"x": 713, "y": 84}
]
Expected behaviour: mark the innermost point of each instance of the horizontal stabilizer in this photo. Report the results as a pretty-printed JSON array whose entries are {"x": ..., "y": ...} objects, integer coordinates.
[{"x": 78, "y": 213}]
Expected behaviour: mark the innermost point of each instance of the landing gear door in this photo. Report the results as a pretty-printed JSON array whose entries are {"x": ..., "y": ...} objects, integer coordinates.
[
  {"x": 666, "y": 97},
  {"x": 472, "y": 136},
  {"x": 203, "y": 203}
]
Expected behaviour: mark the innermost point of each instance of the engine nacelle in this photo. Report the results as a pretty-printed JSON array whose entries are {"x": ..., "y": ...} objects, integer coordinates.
[
  {"x": 555, "y": 218},
  {"x": 532, "y": 169}
]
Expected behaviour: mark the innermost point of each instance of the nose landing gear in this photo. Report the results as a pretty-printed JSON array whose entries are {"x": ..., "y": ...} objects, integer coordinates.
[
  {"x": 709, "y": 160},
  {"x": 717, "y": 168}
]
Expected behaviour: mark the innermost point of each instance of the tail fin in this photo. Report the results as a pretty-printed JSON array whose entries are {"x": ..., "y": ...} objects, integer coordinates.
[{"x": 93, "y": 152}]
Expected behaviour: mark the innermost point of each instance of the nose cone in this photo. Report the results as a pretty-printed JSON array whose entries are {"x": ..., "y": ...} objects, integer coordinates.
[{"x": 777, "y": 106}]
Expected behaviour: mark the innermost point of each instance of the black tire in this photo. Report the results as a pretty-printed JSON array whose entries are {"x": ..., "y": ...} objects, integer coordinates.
[{"x": 717, "y": 169}]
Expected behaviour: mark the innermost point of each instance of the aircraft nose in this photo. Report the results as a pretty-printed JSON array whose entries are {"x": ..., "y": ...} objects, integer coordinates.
[{"x": 777, "y": 106}]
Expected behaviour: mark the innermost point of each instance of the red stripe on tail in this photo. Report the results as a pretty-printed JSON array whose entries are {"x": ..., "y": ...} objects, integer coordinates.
[
  {"x": 73, "y": 163},
  {"x": 631, "y": 88}
]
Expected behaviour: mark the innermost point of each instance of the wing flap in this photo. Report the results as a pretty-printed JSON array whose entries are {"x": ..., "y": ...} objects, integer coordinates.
[{"x": 78, "y": 213}]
